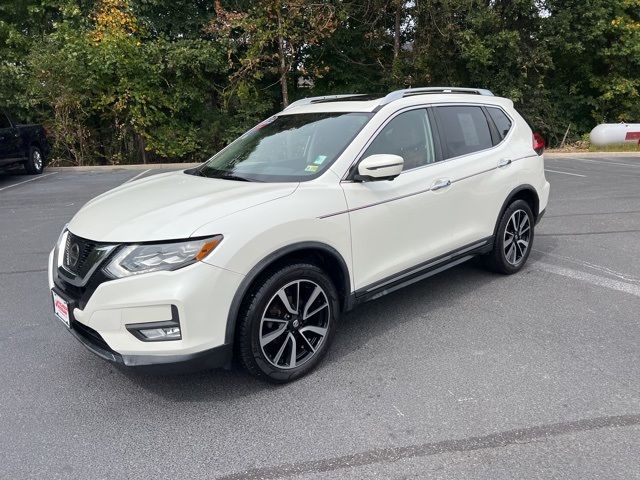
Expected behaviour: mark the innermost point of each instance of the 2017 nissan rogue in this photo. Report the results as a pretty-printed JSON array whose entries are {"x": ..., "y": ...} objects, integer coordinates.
[{"x": 332, "y": 202}]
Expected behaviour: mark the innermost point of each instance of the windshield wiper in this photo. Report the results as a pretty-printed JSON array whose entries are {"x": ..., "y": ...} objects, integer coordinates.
[
  {"x": 234, "y": 177},
  {"x": 199, "y": 173}
]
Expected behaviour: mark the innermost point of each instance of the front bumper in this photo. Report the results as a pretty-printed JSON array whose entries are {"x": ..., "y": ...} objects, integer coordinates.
[
  {"x": 200, "y": 293},
  {"x": 207, "y": 359}
]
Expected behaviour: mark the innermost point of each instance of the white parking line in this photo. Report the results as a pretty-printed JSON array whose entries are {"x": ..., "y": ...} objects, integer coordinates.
[
  {"x": 590, "y": 278},
  {"x": 137, "y": 176},
  {"x": 565, "y": 173},
  {"x": 600, "y": 268},
  {"x": 27, "y": 181}
]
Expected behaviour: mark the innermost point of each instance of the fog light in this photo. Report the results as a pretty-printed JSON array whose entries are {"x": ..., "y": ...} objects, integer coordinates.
[
  {"x": 169, "y": 333},
  {"x": 158, "y": 331}
]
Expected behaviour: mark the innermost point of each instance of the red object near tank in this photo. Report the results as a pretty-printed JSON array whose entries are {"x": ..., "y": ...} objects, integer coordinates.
[{"x": 632, "y": 136}]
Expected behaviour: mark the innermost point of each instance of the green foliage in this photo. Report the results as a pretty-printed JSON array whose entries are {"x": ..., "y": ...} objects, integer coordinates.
[
  {"x": 595, "y": 45},
  {"x": 113, "y": 96},
  {"x": 149, "y": 80},
  {"x": 273, "y": 38}
]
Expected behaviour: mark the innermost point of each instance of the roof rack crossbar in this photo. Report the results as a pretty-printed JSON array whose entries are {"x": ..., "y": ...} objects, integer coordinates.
[
  {"x": 308, "y": 100},
  {"x": 407, "y": 92}
]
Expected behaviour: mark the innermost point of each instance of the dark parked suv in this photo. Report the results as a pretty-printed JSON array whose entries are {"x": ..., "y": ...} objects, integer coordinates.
[{"x": 22, "y": 144}]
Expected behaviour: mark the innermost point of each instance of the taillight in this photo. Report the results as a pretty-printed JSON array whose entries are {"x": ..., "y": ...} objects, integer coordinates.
[{"x": 538, "y": 143}]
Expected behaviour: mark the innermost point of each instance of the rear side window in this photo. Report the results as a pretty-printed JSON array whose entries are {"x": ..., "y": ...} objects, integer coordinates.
[
  {"x": 500, "y": 119},
  {"x": 464, "y": 129}
]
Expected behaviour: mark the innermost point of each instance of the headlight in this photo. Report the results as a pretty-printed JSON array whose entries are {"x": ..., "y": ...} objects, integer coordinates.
[
  {"x": 59, "y": 248},
  {"x": 137, "y": 259}
]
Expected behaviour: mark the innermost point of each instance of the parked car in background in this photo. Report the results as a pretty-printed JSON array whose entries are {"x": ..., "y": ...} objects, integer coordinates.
[
  {"x": 22, "y": 144},
  {"x": 332, "y": 202}
]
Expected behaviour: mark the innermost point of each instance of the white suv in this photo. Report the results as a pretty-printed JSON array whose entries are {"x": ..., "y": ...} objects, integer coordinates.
[{"x": 332, "y": 202}]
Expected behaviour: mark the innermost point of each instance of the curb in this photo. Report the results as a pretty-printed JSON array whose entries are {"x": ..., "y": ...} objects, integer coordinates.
[
  {"x": 592, "y": 154},
  {"x": 137, "y": 166}
]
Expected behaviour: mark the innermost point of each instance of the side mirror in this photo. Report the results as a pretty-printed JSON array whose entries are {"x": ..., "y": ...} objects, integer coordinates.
[{"x": 379, "y": 167}]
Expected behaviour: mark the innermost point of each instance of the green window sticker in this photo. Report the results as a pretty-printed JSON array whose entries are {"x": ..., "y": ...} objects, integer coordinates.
[
  {"x": 311, "y": 168},
  {"x": 319, "y": 159}
]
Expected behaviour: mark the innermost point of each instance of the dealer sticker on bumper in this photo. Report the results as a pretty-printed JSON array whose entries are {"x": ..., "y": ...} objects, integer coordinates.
[{"x": 61, "y": 309}]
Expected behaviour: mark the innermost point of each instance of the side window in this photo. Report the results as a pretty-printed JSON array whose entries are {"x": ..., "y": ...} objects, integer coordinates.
[
  {"x": 502, "y": 122},
  {"x": 408, "y": 135},
  {"x": 464, "y": 130},
  {"x": 4, "y": 121}
]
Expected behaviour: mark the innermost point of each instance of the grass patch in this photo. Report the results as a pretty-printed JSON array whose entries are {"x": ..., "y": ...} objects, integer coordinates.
[{"x": 619, "y": 147}]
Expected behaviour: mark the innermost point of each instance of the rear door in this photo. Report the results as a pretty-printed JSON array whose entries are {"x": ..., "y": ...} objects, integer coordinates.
[
  {"x": 475, "y": 142},
  {"x": 8, "y": 140}
]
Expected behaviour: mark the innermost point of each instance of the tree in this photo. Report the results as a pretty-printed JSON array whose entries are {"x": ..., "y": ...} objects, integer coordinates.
[
  {"x": 359, "y": 56},
  {"x": 144, "y": 80},
  {"x": 22, "y": 24},
  {"x": 595, "y": 45},
  {"x": 117, "y": 94},
  {"x": 174, "y": 19},
  {"x": 492, "y": 44},
  {"x": 273, "y": 37}
]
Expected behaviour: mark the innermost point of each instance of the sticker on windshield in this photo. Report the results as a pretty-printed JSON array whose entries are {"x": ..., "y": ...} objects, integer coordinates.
[
  {"x": 311, "y": 168},
  {"x": 319, "y": 159}
]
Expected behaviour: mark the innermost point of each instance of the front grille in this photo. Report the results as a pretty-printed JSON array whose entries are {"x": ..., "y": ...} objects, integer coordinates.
[
  {"x": 80, "y": 273},
  {"x": 80, "y": 255},
  {"x": 74, "y": 293},
  {"x": 80, "y": 294}
]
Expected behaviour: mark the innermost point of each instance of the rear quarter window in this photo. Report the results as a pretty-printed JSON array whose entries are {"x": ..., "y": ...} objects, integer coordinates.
[
  {"x": 464, "y": 130},
  {"x": 501, "y": 121}
]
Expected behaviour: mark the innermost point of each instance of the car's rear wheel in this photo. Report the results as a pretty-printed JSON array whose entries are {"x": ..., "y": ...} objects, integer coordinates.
[
  {"x": 35, "y": 163},
  {"x": 513, "y": 240},
  {"x": 288, "y": 323}
]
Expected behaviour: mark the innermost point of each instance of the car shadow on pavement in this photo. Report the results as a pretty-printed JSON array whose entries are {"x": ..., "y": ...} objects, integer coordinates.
[
  {"x": 206, "y": 386},
  {"x": 412, "y": 304},
  {"x": 14, "y": 175}
]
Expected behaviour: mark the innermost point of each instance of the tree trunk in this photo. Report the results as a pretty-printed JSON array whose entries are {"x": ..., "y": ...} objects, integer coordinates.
[
  {"x": 142, "y": 152},
  {"x": 396, "y": 30},
  {"x": 283, "y": 63},
  {"x": 417, "y": 23}
]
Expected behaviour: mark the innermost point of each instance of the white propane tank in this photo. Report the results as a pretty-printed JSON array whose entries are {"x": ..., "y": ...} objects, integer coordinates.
[{"x": 615, "y": 133}]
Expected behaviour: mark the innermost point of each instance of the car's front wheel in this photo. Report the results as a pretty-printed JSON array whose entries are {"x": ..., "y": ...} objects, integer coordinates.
[
  {"x": 288, "y": 322},
  {"x": 513, "y": 240}
]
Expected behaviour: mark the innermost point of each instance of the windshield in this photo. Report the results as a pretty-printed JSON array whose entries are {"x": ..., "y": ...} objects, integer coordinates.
[{"x": 286, "y": 148}]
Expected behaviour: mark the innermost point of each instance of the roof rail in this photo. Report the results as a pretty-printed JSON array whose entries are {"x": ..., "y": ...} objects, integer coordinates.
[
  {"x": 408, "y": 92},
  {"x": 308, "y": 100}
]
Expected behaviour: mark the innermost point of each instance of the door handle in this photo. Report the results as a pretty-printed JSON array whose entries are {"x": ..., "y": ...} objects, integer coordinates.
[
  {"x": 503, "y": 162},
  {"x": 440, "y": 184}
]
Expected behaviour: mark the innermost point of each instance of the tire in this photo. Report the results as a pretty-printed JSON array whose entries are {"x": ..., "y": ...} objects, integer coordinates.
[
  {"x": 508, "y": 257},
  {"x": 35, "y": 163},
  {"x": 267, "y": 324}
]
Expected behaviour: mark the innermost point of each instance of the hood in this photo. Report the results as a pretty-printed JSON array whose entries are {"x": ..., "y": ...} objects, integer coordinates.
[{"x": 168, "y": 206}]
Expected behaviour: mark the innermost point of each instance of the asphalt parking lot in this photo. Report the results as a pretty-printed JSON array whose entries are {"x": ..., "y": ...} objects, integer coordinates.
[{"x": 464, "y": 375}]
